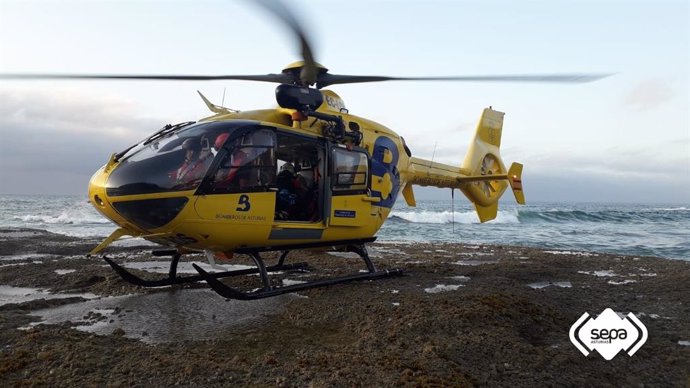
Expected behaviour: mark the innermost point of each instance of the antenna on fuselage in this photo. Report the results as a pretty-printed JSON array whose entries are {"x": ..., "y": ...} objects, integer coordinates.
[{"x": 433, "y": 153}]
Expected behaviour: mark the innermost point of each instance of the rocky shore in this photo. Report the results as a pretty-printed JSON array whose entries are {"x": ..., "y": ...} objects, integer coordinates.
[{"x": 460, "y": 316}]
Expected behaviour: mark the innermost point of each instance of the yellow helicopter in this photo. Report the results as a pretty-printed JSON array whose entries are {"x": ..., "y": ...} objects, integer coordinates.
[{"x": 307, "y": 174}]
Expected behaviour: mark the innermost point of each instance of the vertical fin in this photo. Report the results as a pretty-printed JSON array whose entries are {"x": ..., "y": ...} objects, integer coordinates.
[
  {"x": 490, "y": 127},
  {"x": 515, "y": 178},
  {"x": 486, "y": 213},
  {"x": 408, "y": 194}
]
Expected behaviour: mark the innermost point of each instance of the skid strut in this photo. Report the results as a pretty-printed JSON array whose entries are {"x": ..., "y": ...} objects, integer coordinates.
[
  {"x": 174, "y": 279},
  {"x": 356, "y": 246}
]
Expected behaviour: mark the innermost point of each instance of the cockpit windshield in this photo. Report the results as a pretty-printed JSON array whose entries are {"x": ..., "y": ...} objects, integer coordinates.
[{"x": 174, "y": 161}]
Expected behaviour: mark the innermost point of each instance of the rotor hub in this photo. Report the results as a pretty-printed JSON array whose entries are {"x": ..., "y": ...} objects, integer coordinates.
[{"x": 298, "y": 65}]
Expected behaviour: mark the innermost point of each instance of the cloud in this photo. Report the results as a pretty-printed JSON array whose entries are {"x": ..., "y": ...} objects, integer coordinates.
[
  {"x": 583, "y": 187},
  {"x": 64, "y": 111},
  {"x": 649, "y": 94},
  {"x": 652, "y": 174},
  {"x": 568, "y": 186},
  {"x": 63, "y": 134}
]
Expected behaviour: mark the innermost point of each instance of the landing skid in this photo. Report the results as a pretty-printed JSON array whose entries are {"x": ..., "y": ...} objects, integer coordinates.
[{"x": 356, "y": 246}]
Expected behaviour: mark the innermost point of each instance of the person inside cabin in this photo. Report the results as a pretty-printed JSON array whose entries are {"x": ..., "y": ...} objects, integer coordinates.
[
  {"x": 234, "y": 171},
  {"x": 294, "y": 199},
  {"x": 286, "y": 197},
  {"x": 220, "y": 140},
  {"x": 304, "y": 206},
  {"x": 239, "y": 168},
  {"x": 194, "y": 166}
]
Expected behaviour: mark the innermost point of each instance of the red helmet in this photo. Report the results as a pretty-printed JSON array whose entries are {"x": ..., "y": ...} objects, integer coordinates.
[{"x": 220, "y": 140}]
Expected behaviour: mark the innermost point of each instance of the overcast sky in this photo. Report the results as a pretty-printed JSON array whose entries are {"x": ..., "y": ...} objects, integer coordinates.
[{"x": 623, "y": 139}]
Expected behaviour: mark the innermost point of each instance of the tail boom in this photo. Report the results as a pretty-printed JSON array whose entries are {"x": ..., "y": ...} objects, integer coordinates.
[{"x": 482, "y": 177}]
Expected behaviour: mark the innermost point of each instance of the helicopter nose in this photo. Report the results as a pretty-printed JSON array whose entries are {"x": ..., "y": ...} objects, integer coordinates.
[
  {"x": 133, "y": 212},
  {"x": 99, "y": 199},
  {"x": 97, "y": 195}
]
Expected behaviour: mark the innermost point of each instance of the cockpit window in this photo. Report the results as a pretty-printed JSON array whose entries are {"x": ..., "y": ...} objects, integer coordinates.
[{"x": 175, "y": 161}]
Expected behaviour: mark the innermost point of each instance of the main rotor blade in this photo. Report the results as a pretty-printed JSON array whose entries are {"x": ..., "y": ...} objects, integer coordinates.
[
  {"x": 334, "y": 79},
  {"x": 276, "y": 78},
  {"x": 278, "y": 8}
]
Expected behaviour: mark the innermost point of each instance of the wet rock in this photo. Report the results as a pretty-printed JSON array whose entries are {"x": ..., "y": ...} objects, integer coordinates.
[{"x": 495, "y": 331}]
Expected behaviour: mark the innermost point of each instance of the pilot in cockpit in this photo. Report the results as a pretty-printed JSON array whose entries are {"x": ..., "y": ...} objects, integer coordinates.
[{"x": 195, "y": 163}]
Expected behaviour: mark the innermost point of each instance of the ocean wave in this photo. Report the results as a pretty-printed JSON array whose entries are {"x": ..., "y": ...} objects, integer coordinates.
[
  {"x": 551, "y": 215},
  {"x": 615, "y": 216},
  {"x": 446, "y": 217},
  {"x": 65, "y": 218},
  {"x": 671, "y": 209}
]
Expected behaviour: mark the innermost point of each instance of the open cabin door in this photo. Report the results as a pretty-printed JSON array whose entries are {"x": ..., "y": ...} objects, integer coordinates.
[
  {"x": 300, "y": 187},
  {"x": 350, "y": 203}
]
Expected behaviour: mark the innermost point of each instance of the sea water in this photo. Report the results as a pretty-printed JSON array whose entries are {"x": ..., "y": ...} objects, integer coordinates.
[
  {"x": 63, "y": 214},
  {"x": 629, "y": 229}
]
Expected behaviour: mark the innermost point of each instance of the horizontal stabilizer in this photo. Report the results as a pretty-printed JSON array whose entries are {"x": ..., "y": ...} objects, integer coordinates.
[{"x": 213, "y": 107}]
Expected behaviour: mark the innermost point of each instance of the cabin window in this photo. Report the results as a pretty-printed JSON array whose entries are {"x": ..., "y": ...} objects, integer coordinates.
[
  {"x": 349, "y": 171},
  {"x": 248, "y": 165}
]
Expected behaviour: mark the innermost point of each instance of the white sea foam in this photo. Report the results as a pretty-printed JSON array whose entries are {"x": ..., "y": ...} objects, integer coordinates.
[
  {"x": 476, "y": 254},
  {"x": 9, "y": 234},
  {"x": 626, "y": 281},
  {"x": 182, "y": 268},
  {"x": 442, "y": 288},
  {"x": 540, "y": 285},
  {"x": 10, "y": 294},
  {"x": 446, "y": 217},
  {"x": 344, "y": 255},
  {"x": 13, "y": 265},
  {"x": 28, "y": 256},
  {"x": 672, "y": 209},
  {"x": 585, "y": 254},
  {"x": 291, "y": 282},
  {"x": 396, "y": 242},
  {"x": 603, "y": 273},
  {"x": 475, "y": 262},
  {"x": 68, "y": 217}
]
